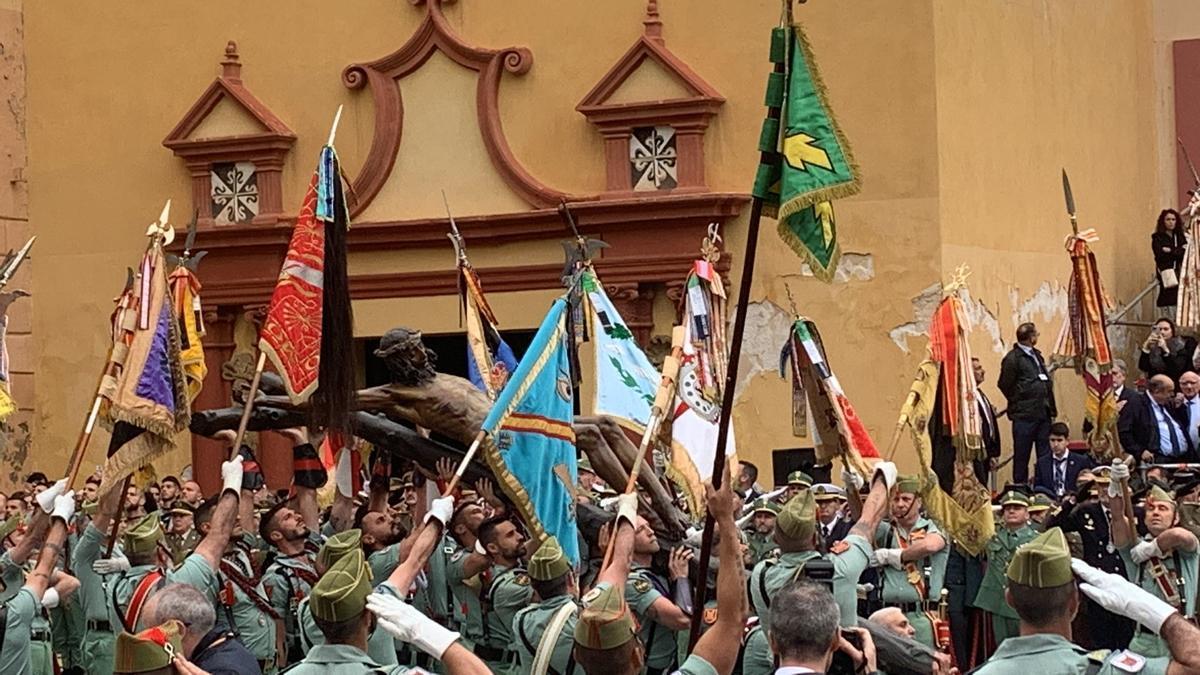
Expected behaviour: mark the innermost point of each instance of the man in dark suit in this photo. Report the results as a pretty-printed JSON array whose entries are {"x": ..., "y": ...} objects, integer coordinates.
[
  {"x": 1187, "y": 407},
  {"x": 989, "y": 429},
  {"x": 1025, "y": 382},
  {"x": 835, "y": 523},
  {"x": 1148, "y": 429},
  {"x": 1059, "y": 471}
]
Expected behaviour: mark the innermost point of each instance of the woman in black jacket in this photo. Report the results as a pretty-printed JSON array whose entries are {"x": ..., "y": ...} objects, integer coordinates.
[
  {"x": 1165, "y": 352},
  {"x": 1168, "y": 243}
]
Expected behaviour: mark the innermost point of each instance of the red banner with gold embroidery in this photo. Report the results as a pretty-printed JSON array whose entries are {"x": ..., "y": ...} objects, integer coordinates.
[{"x": 291, "y": 335}]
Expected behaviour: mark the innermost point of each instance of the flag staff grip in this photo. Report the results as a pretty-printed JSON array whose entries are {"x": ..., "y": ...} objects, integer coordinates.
[
  {"x": 85, "y": 435},
  {"x": 662, "y": 401},
  {"x": 466, "y": 461},
  {"x": 249, "y": 406}
]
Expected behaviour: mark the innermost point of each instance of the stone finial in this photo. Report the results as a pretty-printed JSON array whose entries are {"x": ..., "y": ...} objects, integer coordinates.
[
  {"x": 652, "y": 21},
  {"x": 231, "y": 67}
]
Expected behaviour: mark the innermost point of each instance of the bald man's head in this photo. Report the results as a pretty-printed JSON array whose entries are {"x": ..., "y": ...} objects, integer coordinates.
[
  {"x": 1161, "y": 388},
  {"x": 894, "y": 620}
]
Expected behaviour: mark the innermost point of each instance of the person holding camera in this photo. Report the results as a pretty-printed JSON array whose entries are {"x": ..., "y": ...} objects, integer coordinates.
[
  {"x": 800, "y": 556},
  {"x": 1042, "y": 588},
  {"x": 1165, "y": 352},
  {"x": 805, "y": 635}
]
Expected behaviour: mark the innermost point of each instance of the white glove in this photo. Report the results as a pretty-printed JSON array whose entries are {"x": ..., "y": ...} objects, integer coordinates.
[
  {"x": 64, "y": 506},
  {"x": 405, "y": 623},
  {"x": 231, "y": 475},
  {"x": 50, "y": 598},
  {"x": 852, "y": 480},
  {"x": 887, "y": 471},
  {"x": 45, "y": 499},
  {"x": 889, "y": 557},
  {"x": 694, "y": 536},
  {"x": 441, "y": 510},
  {"x": 480, "y": 549},
  {"x": 1114, "y": 593},
  {"x": 1145, "y": 550},
  {"x": 117, "y": 563},
  {"x": 627, "y": 505}
]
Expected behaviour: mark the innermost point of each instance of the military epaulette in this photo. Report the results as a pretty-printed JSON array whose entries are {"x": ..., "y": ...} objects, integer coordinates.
[
  {"x": 710, "y": 615},
  {"x": 521, "y": 579},
  {"x": 839, "y": 547},
  {"x": 641, "y": 585}
]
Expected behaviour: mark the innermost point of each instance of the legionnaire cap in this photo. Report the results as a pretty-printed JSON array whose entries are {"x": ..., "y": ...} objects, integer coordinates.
[
  {"x": 908, "y": 484},
  {"x": 341, "y": 593},
  {"x": 800, "y": 478},
  {"x": 10, "y": 525},
  {"x": 548, "y": 561},
  {"x": 798, "y": 518},
  {"x": 1014, "y": 498},
  {"x": 1041, "y": 503},
  {"x": 605, "y": 623},
  {"x": 338, "y": 546},
  {"x": 1157, "y": 494},
  {"x": 144, "y": 535},
  {"x": 764, "y": 505},
  {"x": 827, "y": 492},
  {"x": 150, "y": 650},
  {"x": 1045, "y": 562}
]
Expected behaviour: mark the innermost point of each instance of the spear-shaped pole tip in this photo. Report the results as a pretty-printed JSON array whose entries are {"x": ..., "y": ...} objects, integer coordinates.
[{"x": 337, "y": 117}]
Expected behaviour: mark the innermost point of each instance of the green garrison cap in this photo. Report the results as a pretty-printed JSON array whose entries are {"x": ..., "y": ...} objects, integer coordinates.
[
  {"x": 798, "y": 518},
  {"x": 1041, "y": 503},
  {"x": 586, "y": 465},
  {"x": 9, "y": 526},
  {"x": 341, "y": 593},
  {"x": 826, "y": 492},
  {"x": 908, "y": 484},
  {"x": 150, "y": 650},
  {"x": 337, "y": 546},
  {"x": 144, "y": 535},
  {"x": 548, "y": 561},
  {"x": 764, "y": 505},
  {"x": 1045, "y": 562},
  {"x": 799, "y": 478},
  {"x": 1157, "y": 494},
  {"x": 605, "y": 622},
  {"x": 1014, "y": 498}
]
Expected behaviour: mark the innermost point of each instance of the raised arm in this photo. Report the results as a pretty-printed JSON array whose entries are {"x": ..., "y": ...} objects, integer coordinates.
[
  {"x": 720, "y": 644},
  {"x": 424, "y": 546},
  {"x": 39, "y": 580},
  {"x": 876, "y": 503},
  {"x": 617, "y": 570},
  {"x": 1176, "y": 539},
  {"x": 225, "y": 515}
]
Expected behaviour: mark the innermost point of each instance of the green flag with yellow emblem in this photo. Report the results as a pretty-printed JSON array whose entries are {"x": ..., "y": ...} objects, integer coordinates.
[{"x": 806, "y": 161}]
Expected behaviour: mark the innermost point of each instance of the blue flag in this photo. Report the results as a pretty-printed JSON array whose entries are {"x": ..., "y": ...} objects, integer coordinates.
[
  {"x": 530, "y": 440},
  {"x": 626, "y": 381}
]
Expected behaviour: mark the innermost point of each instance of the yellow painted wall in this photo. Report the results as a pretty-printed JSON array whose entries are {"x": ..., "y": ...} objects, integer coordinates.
[{"x": 951, "y": 108}]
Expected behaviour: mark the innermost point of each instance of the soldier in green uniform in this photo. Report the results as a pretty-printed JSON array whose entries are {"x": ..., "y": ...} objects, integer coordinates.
[
  {"x": 588, "y": 483},
  {"x": 16, "y": 653},
  {"x": 340, "y": 606},
  {"x": 761, "y": 536},
  {"x": 101, "y": 624},
  {"x": 606, "y": 637},
  {"x": 1039, "y": 510},
  {"x": 149, "y": 559},
  {"x": 181, "y": 535},
  {"x": 463, "y": 569},
  {"x": 291, "y": 575},
  {"x": 1042, "y": 588},
  {"x": 661, "y": 608},
  {"x": 1014, "y": 531},
  {"x": 505, "y": 592},
  {"x": 796, "y": 534},
  {"x": 1164, "y": 562},
  {"x": 549, "y": 624},
  {"x": 911, "y": 554},
  {"x": 797, "y": 482}
]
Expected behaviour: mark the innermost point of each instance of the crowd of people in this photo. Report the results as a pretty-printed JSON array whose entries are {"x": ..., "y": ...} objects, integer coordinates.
[{"x": 1094, "y": 561}]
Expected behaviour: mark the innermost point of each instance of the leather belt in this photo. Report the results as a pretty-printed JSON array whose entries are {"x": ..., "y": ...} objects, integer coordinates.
[
  {"x": 102, "y": 626},
  {"x": 489, "y": 653}
]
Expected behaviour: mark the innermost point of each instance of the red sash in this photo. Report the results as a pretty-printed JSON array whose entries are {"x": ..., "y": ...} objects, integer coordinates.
[{"x": 138, "y": 599}]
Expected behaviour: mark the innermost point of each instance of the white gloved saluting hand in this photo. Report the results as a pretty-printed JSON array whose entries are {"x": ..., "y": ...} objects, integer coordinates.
[
  {"x": 231, "y": 475},
  {"x": 117, "y": 563},
  {"x": 1119, "y": 596},
  {"x": 441, "y": 510},
  {"x": 1145, "y": 550},
  {"x": 405, "y": 623},
  {"x": 45, "y": 498}
]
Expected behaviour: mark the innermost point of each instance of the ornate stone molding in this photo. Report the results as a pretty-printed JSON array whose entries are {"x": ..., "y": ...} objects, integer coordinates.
[
  {"x": 266, "y": 149},
  {"x": 381, "y": 77}
]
